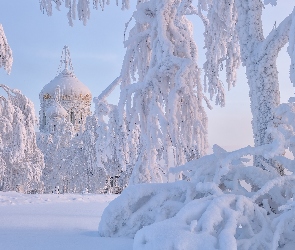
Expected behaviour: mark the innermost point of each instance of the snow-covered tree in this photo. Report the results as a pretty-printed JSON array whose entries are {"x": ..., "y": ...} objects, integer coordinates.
[
  {"x": 70, "y": 161},
  {"x": 161, "y": 89},
  {"x": 228, "y": 204},
  {"x": 21, "y": 160},
  {"x": 96, "y": 176},
  {"x": 110, "y": 146},
  {"x": 234, "y": 32}
]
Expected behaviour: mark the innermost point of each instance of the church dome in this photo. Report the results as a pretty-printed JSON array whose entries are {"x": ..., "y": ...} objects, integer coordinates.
[
  {"x": 56, "y": 111},
  {"x": 69, "y": 85},
  {"x": 64, "y": 98}
]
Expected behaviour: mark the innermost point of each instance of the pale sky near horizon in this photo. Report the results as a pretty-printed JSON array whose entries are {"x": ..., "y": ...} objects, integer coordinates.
[{"x": 97, "y": 53}]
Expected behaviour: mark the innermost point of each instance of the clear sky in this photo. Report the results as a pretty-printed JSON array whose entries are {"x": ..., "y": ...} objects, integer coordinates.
[{"x": 97, "y": 53}]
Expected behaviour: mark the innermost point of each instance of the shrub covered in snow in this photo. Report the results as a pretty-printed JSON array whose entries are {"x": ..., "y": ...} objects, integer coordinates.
[{"x": 227, "y": 204}]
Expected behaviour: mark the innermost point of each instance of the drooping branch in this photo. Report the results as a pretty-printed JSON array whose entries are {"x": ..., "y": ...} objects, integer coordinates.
[
  {"x": 80, "y": 8},
  {"x": 291, "y": 48},
  {"x": 6, "y": 58},
  {"x": 221, "y": 42}
]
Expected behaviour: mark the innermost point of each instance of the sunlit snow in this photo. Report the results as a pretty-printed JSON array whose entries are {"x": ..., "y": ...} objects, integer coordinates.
[{"x": 51, "y": 221}]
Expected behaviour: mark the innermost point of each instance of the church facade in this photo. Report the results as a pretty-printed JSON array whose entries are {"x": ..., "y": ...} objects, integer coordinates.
[{"x": 65, "y": 97}]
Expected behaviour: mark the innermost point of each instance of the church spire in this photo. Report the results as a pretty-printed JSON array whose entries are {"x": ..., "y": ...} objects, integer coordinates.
[{"x": 66, "y": 61}]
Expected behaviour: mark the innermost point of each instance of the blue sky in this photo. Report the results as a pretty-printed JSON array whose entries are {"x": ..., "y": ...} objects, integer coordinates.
[{"x": 97, "y": 53}]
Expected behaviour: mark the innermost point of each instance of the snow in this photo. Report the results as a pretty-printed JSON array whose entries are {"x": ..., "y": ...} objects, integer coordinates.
[
  {"x": 52, "y": 221},
  {"x": 69, "y": 85},
  {"x": 5, "y": 52},
  {"x": 56, "y": 110}
]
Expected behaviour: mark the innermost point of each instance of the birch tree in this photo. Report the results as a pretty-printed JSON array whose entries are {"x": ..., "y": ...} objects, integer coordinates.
[
  {"x": 161, "y": 89},
  {"x": 21, "y": 160},
  {"x": 234, "y": 32}
]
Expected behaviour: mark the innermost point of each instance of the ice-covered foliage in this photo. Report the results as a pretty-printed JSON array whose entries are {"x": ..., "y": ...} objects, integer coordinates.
[
  {"x": 70, "y": 164},
  {"x": 234, "y": 32},
  {"x": 161, "y": 90},
  {"x": 21, "y": 162},
  {"x": 5, "y": 52},
  {"x": 111, "y": 145},
  {"x": 80, "y": 8},
  {"x": 228, "y": 203},
  {"x": 222, "y": 46}
]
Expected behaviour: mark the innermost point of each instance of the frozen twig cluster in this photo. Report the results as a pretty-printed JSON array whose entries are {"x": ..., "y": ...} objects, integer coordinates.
[
  {"x": 70, "y": 160},
  {"x": 5, "y": 52},
  {"x": 80, "y": 8}
]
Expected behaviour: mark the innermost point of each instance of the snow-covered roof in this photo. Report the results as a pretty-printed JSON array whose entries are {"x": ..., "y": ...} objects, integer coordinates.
[
  {"x": 69, "y": 85},
  {"x": 56, "y": 111}
]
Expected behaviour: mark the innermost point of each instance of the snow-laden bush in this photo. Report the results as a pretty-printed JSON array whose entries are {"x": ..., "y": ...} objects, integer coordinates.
[
  {"x": 142, "y": 205},
  {"x": 220, "y": 221},
  {"x": 21, "y": 160},
  {"x": 231, "y": 205}
]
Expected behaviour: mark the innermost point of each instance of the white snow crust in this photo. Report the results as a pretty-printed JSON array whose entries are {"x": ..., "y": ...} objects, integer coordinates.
[
  {"x": 56, "y": 110},
  {"x": 51, "y": 221},
  {"x": 69, "y": 85}
]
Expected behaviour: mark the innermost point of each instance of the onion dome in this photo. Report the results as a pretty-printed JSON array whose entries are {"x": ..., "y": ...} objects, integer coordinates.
[{"x": 70, "y": 86}]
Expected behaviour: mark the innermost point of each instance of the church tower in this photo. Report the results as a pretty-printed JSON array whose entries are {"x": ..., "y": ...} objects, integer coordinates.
[{"x": 65, "y": 97}]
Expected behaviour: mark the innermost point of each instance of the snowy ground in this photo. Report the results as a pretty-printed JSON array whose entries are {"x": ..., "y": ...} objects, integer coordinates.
[{"x": 54, "y": 221}]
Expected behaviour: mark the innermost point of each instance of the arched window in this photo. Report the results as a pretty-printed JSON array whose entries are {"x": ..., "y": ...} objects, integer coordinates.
[{"x": 72, "y": 117}]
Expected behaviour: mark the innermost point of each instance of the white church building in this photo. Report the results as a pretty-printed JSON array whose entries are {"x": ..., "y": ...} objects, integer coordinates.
[{"x": 64, "y": 97}]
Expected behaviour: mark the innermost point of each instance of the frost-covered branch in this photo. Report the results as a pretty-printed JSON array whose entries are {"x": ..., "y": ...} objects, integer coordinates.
[
  {"x": 21, "y": 160},
  {"x": 80, "y": 8},
  {"x": 234, "y": 32},
  {"x": 222, "y": 46},
  {"x": 161, "y": 89},
  {"x": 6, "y": 59}
]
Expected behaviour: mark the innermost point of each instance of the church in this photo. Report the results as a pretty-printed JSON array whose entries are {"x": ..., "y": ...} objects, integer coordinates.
[{"x": 64, "y": 97}]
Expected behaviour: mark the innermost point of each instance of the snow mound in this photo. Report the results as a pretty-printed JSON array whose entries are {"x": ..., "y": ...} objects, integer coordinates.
[
  {"x": 142, "y": 205},
  {"x": 226, "y": 222}
]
